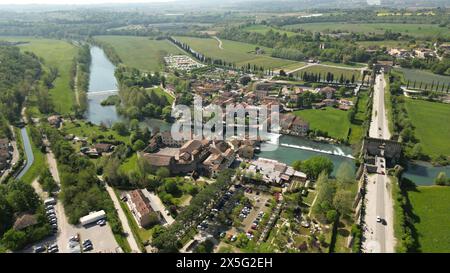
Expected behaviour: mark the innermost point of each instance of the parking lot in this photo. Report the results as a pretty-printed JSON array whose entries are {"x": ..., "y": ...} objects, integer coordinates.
[
  {"x": 259, "y": 199},
  {"x": 101, "y": 237}
]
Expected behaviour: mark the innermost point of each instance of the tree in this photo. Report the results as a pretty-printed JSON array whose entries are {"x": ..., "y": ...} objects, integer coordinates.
[
  {"x": 316, "y": 165},
  {"x": 343, "y": 201},
  {"x": 345, "y": 174},
  {"x": 297, "y": 164},
  {"x": 441, "y": 179},
  {"x": 163, "y": 173},
  {"x": 47, "y": 182},
  {"x": 244, "y": 80},
  {"x": 138, "y": 145},
  {"x": 120, "y": 128}
]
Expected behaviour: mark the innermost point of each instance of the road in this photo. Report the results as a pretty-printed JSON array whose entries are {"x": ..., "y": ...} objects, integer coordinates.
[
  {"x": 123, "y": 218},
  {"x": 379, "y": 127},
  {"x": 379, "y": 236}
]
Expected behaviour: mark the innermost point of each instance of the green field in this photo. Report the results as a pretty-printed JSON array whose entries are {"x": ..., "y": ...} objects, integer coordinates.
[
  {"x": 264, "y": 29},
  {"x": 55, "y": 53},
  {"x": 431, "y": 205},
  {"x": 235, "y": 52},
  {"x": 323, "y": 70},
  {"x": 141, "y": 52},
  {"x": 426, "y": 77},
  {"x": 431, "y": 120},
  {"x": 416, "y": 30},
  {"x": 83, "y": 129},
  {"x": 360, "y": 116},
  {"x": 330, "y": 120}
]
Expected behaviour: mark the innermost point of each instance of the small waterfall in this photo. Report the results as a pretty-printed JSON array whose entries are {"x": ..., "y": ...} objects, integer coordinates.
[{"x": 338, "y": 151}]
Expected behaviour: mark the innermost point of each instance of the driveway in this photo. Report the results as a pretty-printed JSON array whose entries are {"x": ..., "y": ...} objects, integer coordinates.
[
  {"x": 123, "y": 218},
  {"x": 158, "y": 205}
]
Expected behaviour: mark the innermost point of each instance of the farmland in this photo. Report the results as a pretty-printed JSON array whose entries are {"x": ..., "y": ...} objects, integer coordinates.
[
  {"x": 426, "y": 77},
  {"x": 431, "y": 128},
  {"x": 330, "y": 120},
  {"x": 431, "y": 205},
  {"x": 336, "y": 71},
  {"x": 58, "y": 54},
  {"x": 263, "y": 29},
  {"x": 236, "y": 52},
  {"x": 140, "y": 52},
  {"x": 416, "y": 30}
]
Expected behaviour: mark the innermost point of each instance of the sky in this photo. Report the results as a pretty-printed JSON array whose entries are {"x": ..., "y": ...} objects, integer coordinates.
[{"x": 75, "y": 2}]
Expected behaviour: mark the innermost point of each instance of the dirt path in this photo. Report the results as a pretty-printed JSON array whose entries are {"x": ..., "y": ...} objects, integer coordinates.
[{"x": 220, "y": 42}]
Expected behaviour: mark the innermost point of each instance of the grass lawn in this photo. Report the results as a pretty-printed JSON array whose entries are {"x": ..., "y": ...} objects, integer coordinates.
[
  {"x": 264, "y": 29},
  {"x": 293, "y": 66},
  {"x": 432, "y": 206},
  {"x": 55, "y": 53},
  {"x": 426, "y": 77},
  {"x": 82, "y": 129},
  {"x": 432, "y": 127},
  {"x": 360, "y": 116},
  {"x": 160, "y": 93},
  {"x": 130, "y": 164},
  {"x": 331, "y": 120},
  {"x": 141, "y": 52},
  {"x": 337, "y": 72},
  {"x": 416, "y": 30},
  {"x": 239, "y": 53},
  {"x": 39, "y": 163}
]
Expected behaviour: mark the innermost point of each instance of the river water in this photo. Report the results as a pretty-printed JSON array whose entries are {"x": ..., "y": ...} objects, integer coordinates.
[{"x": 285, "y": 149}]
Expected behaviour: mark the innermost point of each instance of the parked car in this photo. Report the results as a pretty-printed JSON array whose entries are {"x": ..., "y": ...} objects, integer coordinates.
[
  {"x": 101, "y": 222},
  {"x": 88, "y": 248},
  {"x": 39, "y": 249}
]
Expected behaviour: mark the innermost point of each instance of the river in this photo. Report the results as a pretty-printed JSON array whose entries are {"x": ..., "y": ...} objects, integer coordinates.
[
  {"x": 423, "y": 173},
  {"x": 285, "y": 149},
  {"x": 28, "y": 152}
]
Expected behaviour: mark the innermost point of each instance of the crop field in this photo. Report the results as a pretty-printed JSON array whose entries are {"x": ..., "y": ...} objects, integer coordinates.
[
  {"x": 263, "y": 29},
  {"x": 431, "y": 205},
  {"x": 336, "y": 71},
  {"x": 141, "y": 52},
  {"x": 416, "y": 30},
  {"x": 432, "y": 127},
  {"x": 55, "y": 53},
  {"x": 330, "y": 120},
  {"x": 426, "y": 77},
  {"x": 236, "y": 52}
]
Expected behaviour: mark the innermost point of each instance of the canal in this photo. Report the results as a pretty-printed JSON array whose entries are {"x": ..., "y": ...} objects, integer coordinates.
[{"x": 28, "y": 152}]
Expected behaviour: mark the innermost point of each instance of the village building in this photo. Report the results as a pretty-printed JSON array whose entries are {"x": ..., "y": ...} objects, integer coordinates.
[
  {"x": 24, "y": 220},
  {"x": 5, "y": 153},
  {"x": 55, "y": 121},
  {"x": 103, "y": 148},
  {"x": 141, "y": 208},
  {"x": 424, "y": 53},
  {"x": 273, "y": 172},
  {"x": 328, "y": 92},
  {"x": 293, "y": 125}
]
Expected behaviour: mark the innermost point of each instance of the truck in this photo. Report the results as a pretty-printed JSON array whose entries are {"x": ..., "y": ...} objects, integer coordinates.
[{"x": 93, "y": 217}]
